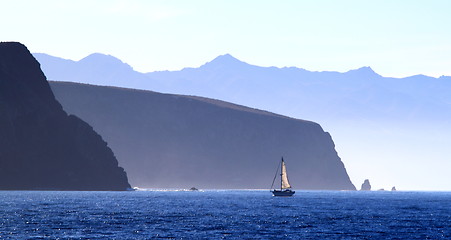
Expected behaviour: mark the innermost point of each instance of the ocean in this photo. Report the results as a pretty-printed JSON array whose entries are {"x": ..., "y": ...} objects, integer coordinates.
[{"x": 224, "y": 214}]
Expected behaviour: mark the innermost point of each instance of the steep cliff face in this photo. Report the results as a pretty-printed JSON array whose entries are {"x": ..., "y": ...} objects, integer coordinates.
[
  {"x": 166, "y": 141},
  {"x": 41, "y": 147}
]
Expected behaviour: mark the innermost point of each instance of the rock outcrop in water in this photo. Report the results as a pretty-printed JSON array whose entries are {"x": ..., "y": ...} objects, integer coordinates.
[
  {"x": 366, "y": 186},
  {"x": 174, "y": 141},
  {"x": 41, "y": 147}
]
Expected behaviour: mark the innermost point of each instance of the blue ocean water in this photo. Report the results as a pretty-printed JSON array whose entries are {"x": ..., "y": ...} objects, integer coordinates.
[{"x": 230, "y": 214}]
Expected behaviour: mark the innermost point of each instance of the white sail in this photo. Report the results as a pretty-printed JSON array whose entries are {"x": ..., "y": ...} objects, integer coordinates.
[{"x": 285, "y": 183}]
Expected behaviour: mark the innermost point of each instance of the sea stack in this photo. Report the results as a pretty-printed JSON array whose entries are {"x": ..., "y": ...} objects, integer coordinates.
[
  {"x": 41, "y": 147},
  {"x": 366, "y": 186}
]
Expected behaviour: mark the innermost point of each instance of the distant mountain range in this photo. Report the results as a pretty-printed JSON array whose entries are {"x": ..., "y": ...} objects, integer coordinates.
[
  {"x": 296, "y": 92},
  {"x": 373, "y": 119}
]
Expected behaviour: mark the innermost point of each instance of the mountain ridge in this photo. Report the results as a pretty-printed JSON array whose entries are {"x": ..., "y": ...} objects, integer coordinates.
[
  {"x": 174, "y": 141},
  {"x": 221, "y": 59}
]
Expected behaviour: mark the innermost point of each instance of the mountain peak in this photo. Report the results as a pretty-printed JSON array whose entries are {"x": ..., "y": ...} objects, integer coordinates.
[
  {"x": 226, "y": 57},
  {"x": 225, "y": 60},
  {"x": 364, "y": 71},
  {"x": 366, "y": 68},
  {"x": 100, "y": 57},
  {"x": 97, "y": 59}
]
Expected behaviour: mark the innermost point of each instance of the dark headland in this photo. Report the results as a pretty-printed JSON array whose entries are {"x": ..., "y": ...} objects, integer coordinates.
[
  {"x": 175, "y": 141},
  {"x": 41, "y": 146}
]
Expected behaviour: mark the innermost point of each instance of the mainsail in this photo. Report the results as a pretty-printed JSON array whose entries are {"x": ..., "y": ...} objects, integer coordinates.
[
  {"x": 285, "y": 183},
  {"x": 285, "y": 187}
]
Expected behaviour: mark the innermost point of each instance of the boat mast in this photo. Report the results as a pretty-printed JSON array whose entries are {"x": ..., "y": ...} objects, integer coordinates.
[
  {"x": 275, "y": 176},
  {"x": 281, "y": 173}
]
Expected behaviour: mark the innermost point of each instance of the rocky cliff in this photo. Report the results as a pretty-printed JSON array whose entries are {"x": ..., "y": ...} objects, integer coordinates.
[
  {"x": 174, "y": 141},
  {"x": 41, "y": 147}
]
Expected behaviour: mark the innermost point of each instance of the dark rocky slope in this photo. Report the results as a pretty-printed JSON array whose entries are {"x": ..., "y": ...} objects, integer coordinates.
[
  {"x": 41, "y": 147},
  {"x": 166, "y": 141}
]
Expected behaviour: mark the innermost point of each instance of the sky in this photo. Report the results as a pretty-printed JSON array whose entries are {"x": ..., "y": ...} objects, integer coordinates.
[{"x": 395, "y": 38}]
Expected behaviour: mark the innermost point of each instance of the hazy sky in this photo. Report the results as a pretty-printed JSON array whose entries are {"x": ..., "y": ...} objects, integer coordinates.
[{"x": 396, "y": 38}]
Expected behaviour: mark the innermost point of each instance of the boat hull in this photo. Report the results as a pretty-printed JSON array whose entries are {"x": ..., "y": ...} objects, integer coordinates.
[{"x": 282, "y": 193}]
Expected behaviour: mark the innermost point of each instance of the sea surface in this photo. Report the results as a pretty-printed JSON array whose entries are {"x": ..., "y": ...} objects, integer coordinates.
[{"x": 224, "y": 214}]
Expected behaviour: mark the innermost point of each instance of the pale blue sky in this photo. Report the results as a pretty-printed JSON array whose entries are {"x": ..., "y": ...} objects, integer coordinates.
[{"x": 396, "y": 38}]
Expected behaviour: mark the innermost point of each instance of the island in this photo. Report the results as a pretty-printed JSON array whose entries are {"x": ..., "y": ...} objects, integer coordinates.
[{"x": 41, "y": 146}]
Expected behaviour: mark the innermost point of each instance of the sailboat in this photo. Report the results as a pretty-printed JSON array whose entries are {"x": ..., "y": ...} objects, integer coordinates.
[{"x": 285, "y": 187}]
